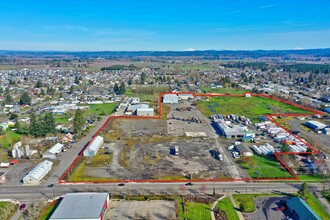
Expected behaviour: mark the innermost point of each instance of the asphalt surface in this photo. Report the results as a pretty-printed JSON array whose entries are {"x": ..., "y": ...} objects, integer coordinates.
[{"x": 266, "y": 208}]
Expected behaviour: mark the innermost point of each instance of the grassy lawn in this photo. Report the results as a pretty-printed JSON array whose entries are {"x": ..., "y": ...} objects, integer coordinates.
[
  {"x": 316, "y": 206},
  {"x": 7, "y": 209},
  {"x": 50, "y": 210},
  {"x": 264, "y": 167},
  {"x": 252, "y": 108},
  {"x": 9, "y": 138},
  {"x": 197, "y": 211},
  {"x": 226, "y": 205},
  {"x": 314, "y": 178},
  {"x": 77, "y": 175},
  {"x": 101, "y": 109},
  {"x": 223, "y": 90},
  {"x": 247, "y": 200},
  {"x": 101, "y": 159},
  {"x": 62, "y": 119}
]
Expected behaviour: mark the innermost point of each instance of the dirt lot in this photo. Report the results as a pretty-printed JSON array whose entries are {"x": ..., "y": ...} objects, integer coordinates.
[
  {"x": 184, "y": 117},
  {"x": 140, "y": 152},
  {"x": 155, "y": 209}
]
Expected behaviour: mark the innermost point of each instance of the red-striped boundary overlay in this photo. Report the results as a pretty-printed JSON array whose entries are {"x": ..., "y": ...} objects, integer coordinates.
[{"x": 269, "y": 117}]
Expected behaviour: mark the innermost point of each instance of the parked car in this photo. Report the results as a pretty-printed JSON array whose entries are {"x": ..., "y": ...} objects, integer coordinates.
[{"x": 22, "y": 207}]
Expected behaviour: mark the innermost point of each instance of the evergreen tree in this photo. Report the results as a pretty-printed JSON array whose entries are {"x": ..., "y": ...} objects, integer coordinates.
[
  {"x": 49, "y": 123},
  {"x": 143, "y": 78},
  {"x": 116, "y": 88},
  {"x": 130, "y": 81},
  {"x": 1, "y": 90},
  {"x": 78, "y": 121},
  {"x": 34, "y": 128},
  {"x": 76, "y": 80},
  {"x": 71, "y": 89},
  {"x": 25, "y": 99},
  {"x": 9, "y": 99},
  {"x": 38, "y": 84},
  {"x": 122, "y": 88}
]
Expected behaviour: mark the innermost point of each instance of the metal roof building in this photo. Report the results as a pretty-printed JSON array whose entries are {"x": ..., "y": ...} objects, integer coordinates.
[
  {"x": 38, "y": 173},
  {"x": 301, "y": 210},
  {"x": 185, "y": 96},
  {"x": 145, "y": 112},
  {"x": 81, "y": 206},
  {"x": 315, "y": 125},
  {"x": 170, "y": 99},
  {"x": 51, "y": 153},
  {"x": 94, "y": 147}
]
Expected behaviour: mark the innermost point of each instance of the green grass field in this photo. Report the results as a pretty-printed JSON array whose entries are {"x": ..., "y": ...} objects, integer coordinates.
[
  {"x": 7, "y": 209},
  {"x": 62, "y": 119},
  {"x": 264, "y": 167},
  {"x": 222, "y": 90},
  {"x": 226, "y": 205},
  {"x": 252, "y": 108},
  {"x": 316, "y": 206},
  {"x": 197, "y": 211},
  {"x": 9, "y": 138},
  {"x": 48, "y": 212},
  {"x": 101, "y": 109},
  {"x": 247, "y": 200}
]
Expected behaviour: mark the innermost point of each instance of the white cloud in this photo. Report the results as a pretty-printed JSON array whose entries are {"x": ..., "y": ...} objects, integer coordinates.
[
  {"x": 231, "y": 12},
  {"x": 267, "y": 6}
]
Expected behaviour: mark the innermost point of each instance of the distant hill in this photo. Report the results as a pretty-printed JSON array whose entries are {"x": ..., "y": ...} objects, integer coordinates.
[{"x": 207, "y": 54}]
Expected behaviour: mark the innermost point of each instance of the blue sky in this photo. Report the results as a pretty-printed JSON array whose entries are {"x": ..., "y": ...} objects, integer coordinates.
[{"x": 77, "y": 25}]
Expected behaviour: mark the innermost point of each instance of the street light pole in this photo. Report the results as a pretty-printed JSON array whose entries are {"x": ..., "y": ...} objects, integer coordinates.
[{"x": 53, "y": 191}]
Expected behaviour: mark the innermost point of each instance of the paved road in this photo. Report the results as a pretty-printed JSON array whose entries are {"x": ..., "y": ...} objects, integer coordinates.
[
  {"x": 34, "y": 193},
  {"x": 68, "y": 157}
]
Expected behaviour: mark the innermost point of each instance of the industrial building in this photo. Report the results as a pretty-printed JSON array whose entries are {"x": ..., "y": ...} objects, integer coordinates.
[
  {"x": 243, "y": 150},
  {"x": 235, "y": 131},
  {"x": 52, "y": 153},
  {"x": 299, "y": 209},
  {"x": 82, "y": 206},
  {"x": 170, "y": 99},
  {"x": 185, "y": 96},
  {"x": 315, "y": 125},
  {"x": 145, "y": 112},
  {"x": 94, "y": 147},
  {"x": 38, "y": 173}
]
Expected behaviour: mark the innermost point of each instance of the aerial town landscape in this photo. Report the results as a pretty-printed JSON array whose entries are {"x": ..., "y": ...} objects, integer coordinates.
[{"x": 163, "y": 134}]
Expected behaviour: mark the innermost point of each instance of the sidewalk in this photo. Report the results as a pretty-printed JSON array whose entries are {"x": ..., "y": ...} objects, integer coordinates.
[
  {"x": 214, "y": 205},
  {"x": 240, "y": 215}
]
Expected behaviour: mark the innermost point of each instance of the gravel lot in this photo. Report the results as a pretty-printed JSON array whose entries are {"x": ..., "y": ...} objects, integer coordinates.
[{"x": 155, "y": 209}]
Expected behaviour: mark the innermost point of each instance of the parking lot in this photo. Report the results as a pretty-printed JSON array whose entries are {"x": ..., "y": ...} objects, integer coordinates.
[
  {"x": 15, "y": 173},
  {"x": 266, "y": 208}
]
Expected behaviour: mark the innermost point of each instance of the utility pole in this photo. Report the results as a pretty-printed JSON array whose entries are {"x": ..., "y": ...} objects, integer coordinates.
[{"x": 53, "y": 191}]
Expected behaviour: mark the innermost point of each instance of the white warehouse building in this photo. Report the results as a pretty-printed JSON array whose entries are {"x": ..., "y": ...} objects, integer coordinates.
[
  {"x": 170, "y": 99},
  {"x": 52, "y": 153},
  {"x": 145, "y": 112},
  {"x": 94, "y": 147},
  {"x": 38, "y": 173}
]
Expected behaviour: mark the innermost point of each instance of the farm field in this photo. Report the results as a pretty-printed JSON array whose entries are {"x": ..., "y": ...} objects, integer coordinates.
[
  {"x": 263, "y": 167},
  {"x": 252, "y": 108}
]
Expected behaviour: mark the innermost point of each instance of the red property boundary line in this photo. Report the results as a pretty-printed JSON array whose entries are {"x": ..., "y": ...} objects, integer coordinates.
[{"x": 269, "y": 117}]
